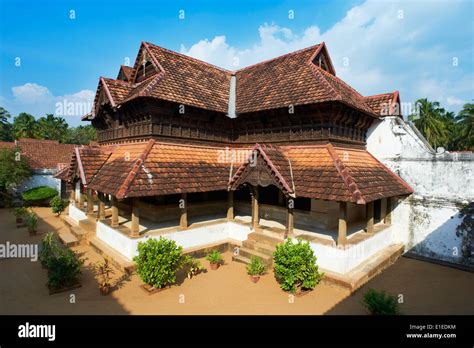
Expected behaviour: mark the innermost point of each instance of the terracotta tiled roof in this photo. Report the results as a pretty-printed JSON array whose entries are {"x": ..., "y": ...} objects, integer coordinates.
[
  {"x": 330, "y": 173},
  {"x": 292, "y": 79},
  {"x": 384, "y": 104},
  {"x": 149, "y": 168},
  {"x": 43, "y": 154},
  {"x": 127, "y": 72}
]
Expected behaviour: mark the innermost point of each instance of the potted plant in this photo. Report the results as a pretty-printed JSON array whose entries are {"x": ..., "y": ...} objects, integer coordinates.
[
  {"x": 194, "y": 266},
  {"x": 49, "y": 249},
  {"x": 20, "y": 214},
  {"x": 215, "y": 259},
  {"x": 104, "y": 271},
  {"x": 255, "y": 268},
  {"x": 32, "y": 223}
]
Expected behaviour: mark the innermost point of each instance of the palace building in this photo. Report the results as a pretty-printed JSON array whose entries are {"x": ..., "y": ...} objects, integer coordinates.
[{"x": 210, "y": 157}]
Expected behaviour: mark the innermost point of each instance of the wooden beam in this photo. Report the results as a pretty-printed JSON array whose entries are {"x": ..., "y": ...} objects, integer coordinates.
[
  {"x": 115, "y": 217},
  {"x": 183, "y": 205},
  {"x": 388, "y": 215},
  {"x": 370, "y": 217},
  {"x": 230, "y": 205},
  {"x": 342, "y": 232},
  {"x": 135, "y": 218}
]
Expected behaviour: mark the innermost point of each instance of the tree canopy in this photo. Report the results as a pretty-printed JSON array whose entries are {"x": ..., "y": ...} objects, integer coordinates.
[{"x": 47, "y": 127}]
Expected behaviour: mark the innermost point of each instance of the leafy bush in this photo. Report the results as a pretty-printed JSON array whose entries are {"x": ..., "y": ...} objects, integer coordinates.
[
  {"x": 214, "y": 257},
  {"x": 39, "y": 195},
  {"x": 295, "y": 266},
  {"x": 64, "y": 269},
  {"x": 58, "y": 205},
  {"x": 49, "y": 249},
  {"x": 104, "y": 271},
  {"x": 20, "y": 213},
  {"x": 256, "y": 266},
  {"x": 158, "y": 261},
  {"x": 31, "y": 221},
  {"x": 380, "y": 303}
]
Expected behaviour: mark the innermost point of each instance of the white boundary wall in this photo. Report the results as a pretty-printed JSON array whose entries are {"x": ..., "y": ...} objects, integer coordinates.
[
  {"x": 191, "y": 238},
  {"x": 75, "y": 213}
]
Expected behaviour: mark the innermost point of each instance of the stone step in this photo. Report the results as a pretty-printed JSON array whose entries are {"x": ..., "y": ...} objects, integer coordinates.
[
  {"x": 260, "y": 247},
  {"x": 78, "y": 232},
  {"x": 241, "y": 259},
  {"x": 88, "y": 225},
  {"x": 264, "y": 239},
  {"x": 249, "y": 253},
  {"x": 68, "y": 239},
  {"x": 117, "y": 259}
]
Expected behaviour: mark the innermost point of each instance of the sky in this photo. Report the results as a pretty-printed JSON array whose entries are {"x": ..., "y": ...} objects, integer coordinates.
[{"x": 52, "y": 53}]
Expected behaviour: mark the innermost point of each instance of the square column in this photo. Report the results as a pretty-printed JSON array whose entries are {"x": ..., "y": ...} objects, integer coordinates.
[
  {"x": 230, "y": 205},
  {"x": 135, "y": 218},
  {"x": 255, "y": 217},
  {"x": 72, "y": 194},
  {"x": 90, "y": 201},
  {"x": 115, "y": 217},
  {"x": 388, "y": 215},
  {"x": 183, "y": 205},
  {"x": 342, "y": 232},
  {"x": 370, "y": 217},
  {"x": 101, "y": 212},
  {"x": 81, "y": 199},
  {"x": 383, "y": 209},
  {"x": 289, "y": 218}
]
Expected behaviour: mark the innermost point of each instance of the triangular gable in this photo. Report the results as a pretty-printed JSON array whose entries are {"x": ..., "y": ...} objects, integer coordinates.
[
  {"x": 261, "y": 170},
  {"x": 322, "y": 59},
  {"x": 145, "y": 62}
]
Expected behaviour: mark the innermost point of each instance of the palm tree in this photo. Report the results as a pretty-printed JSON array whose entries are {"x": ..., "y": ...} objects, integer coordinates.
[
  {"x": 465, "y": 122},
  {"x": 24, "y": 126},
  {"x": 5, "y": 126},
  {"x": 430, "y": 123},
  {"x": 52, "y": 128}
]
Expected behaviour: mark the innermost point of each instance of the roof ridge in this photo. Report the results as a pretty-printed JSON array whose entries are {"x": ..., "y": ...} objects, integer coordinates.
[
  {"x": 279, "y": 57},
  {"x": 317, "y": 70},
  {"x": 107, "y": 92},
  {"x": 379, "y": 95},
  {"x": 345, "y": 175},
  {"x": 189, "y": 57},
  {"x": 122, "y": 191}
]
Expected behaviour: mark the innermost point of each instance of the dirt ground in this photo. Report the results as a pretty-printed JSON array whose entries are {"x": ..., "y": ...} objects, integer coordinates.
[{"x": 427, "y": 288}]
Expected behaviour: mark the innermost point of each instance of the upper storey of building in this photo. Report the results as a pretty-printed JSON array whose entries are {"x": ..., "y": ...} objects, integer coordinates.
[{"x": 292, "y": 98}]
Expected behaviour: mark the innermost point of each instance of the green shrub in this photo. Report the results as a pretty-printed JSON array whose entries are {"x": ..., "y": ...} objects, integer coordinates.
[
  {"x": 31, "y": 221},
  {"x": 214, "y": 257},
  {"x": 58, "y": 205},
  {"x": 192, "y": 266},
  {"x": 256, "y": 266},
  {"x": 39, "y": 195},
  {"x": 64, "y": 269},
  {"x": 158, "y": 261},
  {"x": 380, "y": 303},
  {"x": 50, "y": 249},
  {"x": 20, "y": 213},
  {"x": 295, "y": 266}
]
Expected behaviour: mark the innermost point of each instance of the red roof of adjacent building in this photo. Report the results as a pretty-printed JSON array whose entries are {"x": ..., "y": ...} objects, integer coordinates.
[
  {"x": 43, "y": 154},
  {"x": 386, "y": 104}
]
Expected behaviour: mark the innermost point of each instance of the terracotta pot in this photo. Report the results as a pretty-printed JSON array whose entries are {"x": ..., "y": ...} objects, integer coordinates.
[
  {"x": 215, "y": 266},
  {"x": 104, "y": 290},
  {"x": 254, "y": 278}
]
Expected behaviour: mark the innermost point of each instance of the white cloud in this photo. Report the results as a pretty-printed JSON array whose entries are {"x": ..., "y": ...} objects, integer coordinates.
[
  {"x": 31, "y": 93},
  {"x": 39, "y": 100},
  {"x": 389, "y": 45},
  {"x": 455, "y": 101}
]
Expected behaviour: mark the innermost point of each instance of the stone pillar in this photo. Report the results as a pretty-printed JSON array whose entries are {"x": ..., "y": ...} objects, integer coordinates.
[
  {"x": 230, "y": 205},
  {"x": 72, "y": 194},
  {"x": 90, "y": 201},
  {"x": 383, "y": 209},
  {"x": 115, "y": 216},
  {"x": 183, "y": 205},
  {"x": 289, "y": 218},
  {"x": 255, "y": 217},
  {"x": 342, "y": 233},
  {"x": 135, "y": 218},
  {"x": 101, "y": 213},
  {"x": 388, "y": 215},
  {"x": 370, "y": 217}
]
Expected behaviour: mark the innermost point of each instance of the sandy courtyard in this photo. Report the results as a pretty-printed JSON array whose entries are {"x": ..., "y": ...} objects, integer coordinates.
[{"x": 427, "y": 288}]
